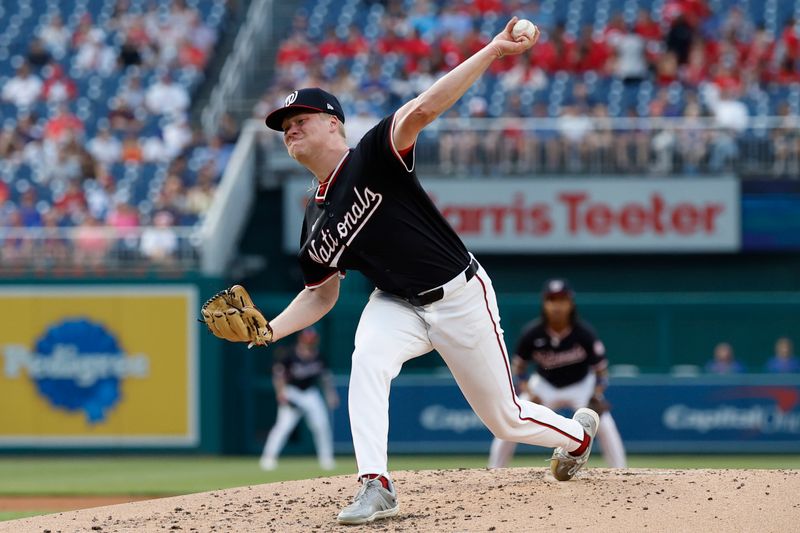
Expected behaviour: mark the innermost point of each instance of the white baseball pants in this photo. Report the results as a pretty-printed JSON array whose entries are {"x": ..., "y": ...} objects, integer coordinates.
[
  {"x": 308, "y": 403},
  {"x": 573, "y": 397},
  {"x": 464, "y": 327}
]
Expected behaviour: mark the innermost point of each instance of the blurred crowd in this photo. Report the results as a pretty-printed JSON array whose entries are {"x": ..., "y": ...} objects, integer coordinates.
[
  {"x": 715, "y": 70},
  {"x": 97, "y": 150},
  {"x": 782, "y": 361}
]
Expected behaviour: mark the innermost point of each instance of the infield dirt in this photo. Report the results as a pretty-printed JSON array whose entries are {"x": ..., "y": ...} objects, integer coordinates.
[{"x": 508, "y": 500}]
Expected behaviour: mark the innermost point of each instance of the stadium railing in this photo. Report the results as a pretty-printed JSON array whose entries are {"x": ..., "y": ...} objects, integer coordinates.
[
  {"x": 578, "y": 145},
  {"x": 99, "y": 249}
]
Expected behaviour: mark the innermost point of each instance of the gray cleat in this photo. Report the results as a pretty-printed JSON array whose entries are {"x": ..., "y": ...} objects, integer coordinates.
[
  {"x": 372, "y": 502},
  {"x": 563, "y": 465}
]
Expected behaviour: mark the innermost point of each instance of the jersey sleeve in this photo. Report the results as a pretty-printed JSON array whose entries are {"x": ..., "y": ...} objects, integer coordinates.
[
  {"x": 595, "y": 349},
  {"x": 378, "y": 143},
  {"x": 524, "y": 348}
]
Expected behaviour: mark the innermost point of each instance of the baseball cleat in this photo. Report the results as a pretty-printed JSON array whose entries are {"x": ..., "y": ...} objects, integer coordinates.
[
  {"x": 563, "y": 465},
  {"x": 372, "y": 502}
]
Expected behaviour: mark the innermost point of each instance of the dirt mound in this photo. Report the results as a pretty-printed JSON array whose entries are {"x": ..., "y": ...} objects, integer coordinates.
[{"x": 515, "y": 499}]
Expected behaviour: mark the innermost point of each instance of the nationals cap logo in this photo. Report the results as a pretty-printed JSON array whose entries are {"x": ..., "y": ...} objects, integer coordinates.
[
  {"x": 76, "y": 365},
  {"x": 290, "y": 99}
]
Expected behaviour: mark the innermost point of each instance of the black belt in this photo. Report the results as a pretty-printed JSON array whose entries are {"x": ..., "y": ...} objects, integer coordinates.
[{"x": 438, "y": 293}]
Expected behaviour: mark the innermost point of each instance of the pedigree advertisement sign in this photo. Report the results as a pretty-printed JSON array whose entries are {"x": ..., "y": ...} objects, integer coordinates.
[
  {"x": 98, "y": 366},
  {"x": 592, "y": 215}
]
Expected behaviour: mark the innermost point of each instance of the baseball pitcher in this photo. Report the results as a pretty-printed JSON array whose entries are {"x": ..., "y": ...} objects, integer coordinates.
[{"x": 370, "y": 213}]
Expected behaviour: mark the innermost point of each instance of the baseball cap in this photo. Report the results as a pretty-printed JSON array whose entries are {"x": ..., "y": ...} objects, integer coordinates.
[
  {"x": 311, "y": 99},
  {"x": 556, "y": 286}
]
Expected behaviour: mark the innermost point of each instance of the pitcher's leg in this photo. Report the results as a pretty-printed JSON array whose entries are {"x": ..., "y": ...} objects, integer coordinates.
[
  {"x": 466, "y": 332},
  {"x": 389, "y": 333},
  {"x": 502, "y": 451}
]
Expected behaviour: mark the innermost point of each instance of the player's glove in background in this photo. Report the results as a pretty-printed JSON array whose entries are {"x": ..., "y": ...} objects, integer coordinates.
[{"x": 232, "y": 315}]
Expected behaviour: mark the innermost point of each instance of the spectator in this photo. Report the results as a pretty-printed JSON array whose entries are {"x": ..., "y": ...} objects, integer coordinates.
[
  {"x": 574, "y": 126},
  {"x": 200, "y": 196},
  {"x": 723, "y": 361},
  {"x": 129, "y": 54},
  {"x": 679, "y": 38},
  {"x": 160, "y": 242},
  {"x": 62, "y": 126},
  {"x": 100, "y": 193},
  {"x": 92, "y": 242},
  {"x": 11, "y": 144},
  {"x": 731, "y": 117},
  {"x": 124, "y": 219},
  {"x": 23, "y": 89},
  {"x": 786, "y": 142},
  {"x": 55, "y": 36},
  {"x": 58, "y": 87},
  {"x": 166, "y": 97},
  {"x": 423, "y": 19},
  {"x": 132, "y": 92},
  {"x": 630, "y": 64},
  {"x": 177, "y": 135},
  {"x": 72, "y": 200},
  {"x": 38, "y": 56},
  {"x": 121, "y": 116},
  {"x": 16, "y": 250},
  {"x": 201, "y": 36},
  {"x": 53, "y": 248},
  {"x": 104, "y": 147},
  {"x": 784, "y": 360},
  {"x": 454, "y": 19},
  {"x": 94, "y": 55},
  {"x": 131, "y": 151},
  {"x": 216, "y": 154},
  {"x": 29, "y": 214}
]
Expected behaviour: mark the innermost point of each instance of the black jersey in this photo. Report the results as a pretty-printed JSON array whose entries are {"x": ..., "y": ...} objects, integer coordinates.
[
  {"x": 302, "y": 373},
  {"x": 372, "y": 215},
  {"x": 562, "y": 361}
]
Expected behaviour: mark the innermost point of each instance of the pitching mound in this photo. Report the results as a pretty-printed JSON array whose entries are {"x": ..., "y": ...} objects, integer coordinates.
[{"x": 517, "y": 499}]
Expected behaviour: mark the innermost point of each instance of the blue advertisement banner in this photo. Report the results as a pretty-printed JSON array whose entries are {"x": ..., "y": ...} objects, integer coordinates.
[
  {"x": 737, "y": 414},
  {"x": 770, "y": 215}
]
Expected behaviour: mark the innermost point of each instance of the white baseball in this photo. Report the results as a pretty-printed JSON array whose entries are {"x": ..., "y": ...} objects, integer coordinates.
[{"x": 523, "y": 27}]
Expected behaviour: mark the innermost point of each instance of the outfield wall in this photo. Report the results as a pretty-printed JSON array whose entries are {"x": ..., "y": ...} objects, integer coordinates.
[{"x": 654, "y": 414}]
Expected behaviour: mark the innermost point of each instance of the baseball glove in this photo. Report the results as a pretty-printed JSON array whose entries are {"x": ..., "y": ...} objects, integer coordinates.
[
  {"x": 232, "y": 315},
  {"x": 599, "y": 404}
]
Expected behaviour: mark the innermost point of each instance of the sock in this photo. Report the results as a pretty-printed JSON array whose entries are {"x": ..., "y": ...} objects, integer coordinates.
[
  {"x": 382, "y": 479},
  {"x": 587, "y": 441}
]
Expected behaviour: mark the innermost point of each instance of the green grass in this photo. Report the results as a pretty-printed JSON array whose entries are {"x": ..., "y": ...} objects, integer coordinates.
[
  {"x": 156, "y": 476},
  {"x": 13, "y": 515}
]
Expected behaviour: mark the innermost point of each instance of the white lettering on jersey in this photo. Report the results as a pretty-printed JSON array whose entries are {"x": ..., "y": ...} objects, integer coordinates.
[
  {"x": 330, "y": 249},
  {"x": 322, "y": 252},
  {"x": 549, "y": 359}
]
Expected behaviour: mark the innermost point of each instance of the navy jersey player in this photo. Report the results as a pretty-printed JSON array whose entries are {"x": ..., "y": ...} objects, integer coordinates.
[
  {"x": 571, "y": 370},
  {"x": 370, "y": 213},
  {"x": 299, "y": 380}
]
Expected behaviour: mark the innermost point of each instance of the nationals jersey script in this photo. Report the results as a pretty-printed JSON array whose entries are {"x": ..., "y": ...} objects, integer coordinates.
[{"x": 372, "y": 215}]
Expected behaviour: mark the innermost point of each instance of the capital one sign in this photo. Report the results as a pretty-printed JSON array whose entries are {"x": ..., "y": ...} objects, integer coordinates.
[{"x": 581, "y": 215}]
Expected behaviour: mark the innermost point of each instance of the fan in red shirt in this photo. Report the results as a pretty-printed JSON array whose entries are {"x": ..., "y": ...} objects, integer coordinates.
[
  {"x": 331, "y": 45},
  {"x": 295, "y": 49}
]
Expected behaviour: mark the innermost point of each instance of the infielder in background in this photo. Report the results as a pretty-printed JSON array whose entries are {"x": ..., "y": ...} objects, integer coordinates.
[
  {"x": 371, "y": 214},
  {"x": 571, "y": 370},
  {"x": 297, "y": 379}
]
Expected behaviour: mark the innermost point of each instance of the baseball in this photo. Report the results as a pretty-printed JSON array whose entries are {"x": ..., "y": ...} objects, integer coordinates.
[{"x": 524, "y": 27}]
